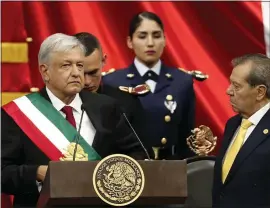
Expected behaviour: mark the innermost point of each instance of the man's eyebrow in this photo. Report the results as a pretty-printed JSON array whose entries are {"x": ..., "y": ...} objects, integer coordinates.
[{"x": 92, "y": 72}]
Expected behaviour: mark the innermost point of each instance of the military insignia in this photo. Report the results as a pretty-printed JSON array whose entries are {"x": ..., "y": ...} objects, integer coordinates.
[
  {"x": 170, "y": 105},
  {"x": 118, "y": 180},
  {"x": 130, "y": 75},
  {"x": 169, "y": 76},
  {"x": 108, "y": 72},
  {"x": 265, "y": 131},
  {"x": 68, "y": 153},
  {"x": 198, "y": 75},
  {"x": 138, "y": 90}
]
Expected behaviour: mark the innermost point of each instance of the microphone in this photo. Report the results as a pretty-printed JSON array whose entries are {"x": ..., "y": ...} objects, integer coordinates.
[
  {"x": 147, "y": 154},
  {"x": 77, "y": 137}
]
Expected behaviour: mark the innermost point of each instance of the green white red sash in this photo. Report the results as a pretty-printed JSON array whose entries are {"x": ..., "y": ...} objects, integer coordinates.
[{"x": 45, "y": 126}]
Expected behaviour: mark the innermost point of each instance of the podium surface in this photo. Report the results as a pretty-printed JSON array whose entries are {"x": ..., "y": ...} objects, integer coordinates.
[{"x": 71, "y": 184}]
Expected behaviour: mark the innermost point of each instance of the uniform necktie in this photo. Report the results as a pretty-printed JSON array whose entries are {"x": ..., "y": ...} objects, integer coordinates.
[
  {"x": 69, "y": 115},
  {"x": 150, "y": 75},
  {"x": 233, "y": 151}
]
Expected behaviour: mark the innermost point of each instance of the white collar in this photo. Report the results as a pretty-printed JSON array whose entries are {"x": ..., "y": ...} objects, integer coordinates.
[
  {"x": 58, "y": 104},
  {"x": 256, "y": 117},
  {"x": 142, "y": 69}
]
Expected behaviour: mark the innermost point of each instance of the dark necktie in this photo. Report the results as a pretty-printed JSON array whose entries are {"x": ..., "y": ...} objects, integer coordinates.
[
  {"x": 69, "y": 115},
  {"x": 150, "y": 75}
]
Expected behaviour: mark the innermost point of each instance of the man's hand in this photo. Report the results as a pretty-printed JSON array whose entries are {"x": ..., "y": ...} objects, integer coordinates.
[{"x": 41, "y": 172}]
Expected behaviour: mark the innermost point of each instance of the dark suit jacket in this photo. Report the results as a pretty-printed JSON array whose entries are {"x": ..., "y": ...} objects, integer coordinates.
[
  {"x": 21, "y": 158},
  {"x": 180, "y": 86},
  {"x": 130, "y": 104},
  {"x": 248, "y": 182}
]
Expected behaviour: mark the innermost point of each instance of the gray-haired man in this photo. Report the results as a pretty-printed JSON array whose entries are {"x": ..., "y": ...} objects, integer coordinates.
[{"x": 42, "y": 126}]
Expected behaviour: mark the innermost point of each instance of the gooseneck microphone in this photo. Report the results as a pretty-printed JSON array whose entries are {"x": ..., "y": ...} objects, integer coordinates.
[
  {"x": 77, "y": 137},
  {"x": 137, "y": 136}
]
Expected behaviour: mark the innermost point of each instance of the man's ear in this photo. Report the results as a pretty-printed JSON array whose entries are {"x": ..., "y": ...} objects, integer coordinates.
[
  {"x": 129, "y": 42},
  {"x": 261, "y": 90},
  {"x": 164, "y": 40},
  {"x": 104, "y": 60},
  {"x": 43, "y": 69}
]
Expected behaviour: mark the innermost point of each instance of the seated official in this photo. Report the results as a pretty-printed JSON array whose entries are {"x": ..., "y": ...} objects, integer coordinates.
[{"x": 43, "y": 126}]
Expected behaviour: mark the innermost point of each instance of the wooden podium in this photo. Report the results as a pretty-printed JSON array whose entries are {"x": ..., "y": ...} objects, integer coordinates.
[{"x": 70, "y": 184}]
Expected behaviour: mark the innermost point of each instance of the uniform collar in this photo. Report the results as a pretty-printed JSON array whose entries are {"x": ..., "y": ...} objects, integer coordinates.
[{"x": 142, "y": 69}]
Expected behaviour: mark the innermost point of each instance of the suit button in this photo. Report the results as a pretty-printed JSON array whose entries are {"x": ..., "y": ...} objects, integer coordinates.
[
  {"x": 167, "y": 118},
  {"x": 163, "y": 140}
]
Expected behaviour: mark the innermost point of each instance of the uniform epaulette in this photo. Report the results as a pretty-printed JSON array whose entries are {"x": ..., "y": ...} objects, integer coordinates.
[
  {"x": 108, "y": 72},
  {"x": 198, "y": 75}
]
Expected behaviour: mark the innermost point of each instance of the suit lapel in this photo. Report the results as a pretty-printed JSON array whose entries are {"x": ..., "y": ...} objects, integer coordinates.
[
  {"x": 163, "y": 80},
  {"x": 256, "y": 138},
  {"x": 92, "y": 108}
]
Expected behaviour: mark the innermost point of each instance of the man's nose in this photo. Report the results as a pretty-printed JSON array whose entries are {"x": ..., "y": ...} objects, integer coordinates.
[
  {"x": 87, "y": 80},
  {"x": 229, "y": 90},
  {"x": 76, "y": 70}
]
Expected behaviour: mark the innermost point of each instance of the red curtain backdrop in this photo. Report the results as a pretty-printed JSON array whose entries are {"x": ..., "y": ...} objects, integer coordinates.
[{"x": 200, "y": 35}]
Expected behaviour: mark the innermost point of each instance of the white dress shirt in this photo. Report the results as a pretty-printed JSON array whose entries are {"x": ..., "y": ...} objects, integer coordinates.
[
  {"x": 87, "y": 129},
  {"x": 142, "y": 69},
  {"x": 254, "y": 119}
]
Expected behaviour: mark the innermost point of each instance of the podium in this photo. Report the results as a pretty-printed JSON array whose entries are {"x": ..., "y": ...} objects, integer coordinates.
[{"x": 70, "y": 184}]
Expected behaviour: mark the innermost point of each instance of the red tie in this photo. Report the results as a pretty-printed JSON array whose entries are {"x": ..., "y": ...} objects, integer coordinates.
[{"x": 69, "y": 115}]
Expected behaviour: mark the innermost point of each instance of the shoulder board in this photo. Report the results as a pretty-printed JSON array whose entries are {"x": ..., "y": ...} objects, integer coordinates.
[
  {"x": 108, "y": 72},
  {"x": 198, "y": 75},
  {"x": 184, "y": 70}
]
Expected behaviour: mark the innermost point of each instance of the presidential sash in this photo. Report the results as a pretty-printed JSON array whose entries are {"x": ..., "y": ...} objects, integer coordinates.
[{"x": 47, "y": 128}]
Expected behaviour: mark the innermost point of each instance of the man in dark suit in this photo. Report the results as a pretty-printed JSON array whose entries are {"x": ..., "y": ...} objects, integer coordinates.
[
  {"x": 242, "y": 168},
  {"x": 43, "y": 126},
  {"x": 94, "y": 62}
]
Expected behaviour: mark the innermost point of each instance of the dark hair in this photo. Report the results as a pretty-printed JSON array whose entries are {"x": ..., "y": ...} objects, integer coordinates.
[
  {"x": 260, "y": 69},
  {"x": 89, "y": 41},
  {"x": 137, "y": 19}
]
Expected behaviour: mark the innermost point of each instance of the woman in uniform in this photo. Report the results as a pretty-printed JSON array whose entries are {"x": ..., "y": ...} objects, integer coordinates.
[{"x": 168, "y": 100}]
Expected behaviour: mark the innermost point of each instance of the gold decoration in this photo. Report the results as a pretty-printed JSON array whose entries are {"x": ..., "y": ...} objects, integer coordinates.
[
  {"x": 34, "y": 89},
  {"x": 14, "y": 52},
  {"x": 163, "y": 140},
  {"x": 108, "y": 72},
  {"x": 130, "y": 75},
  {"x": 167, "y": 118},
  {"x": 156, "y": 152},
  {"x": 169, "y": 97},
  {"x": 68, "y": 153},
  {"x": 29, "y": 39},
  {"x": 168, "y": 75},
  {"x": 118, "y": 180},
  {"x": 9, "y": 96},
  {"x": 196, "y": 74},
  {"x": 202, "y": 141},
  {"x": 138, "y": 90},
  {"x": 265, "y": 131}
]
